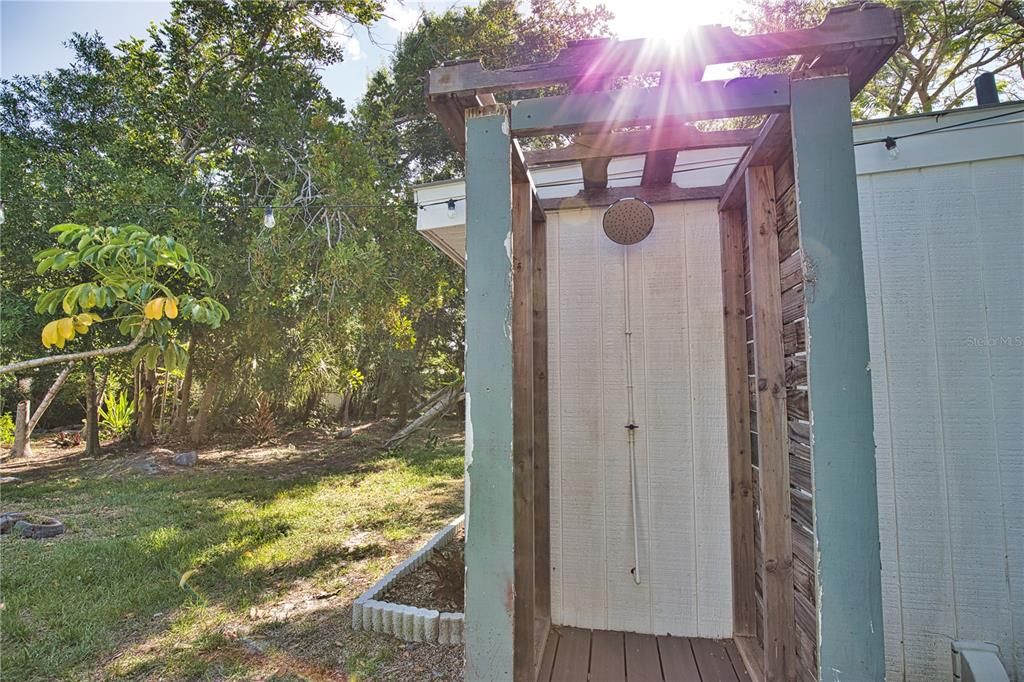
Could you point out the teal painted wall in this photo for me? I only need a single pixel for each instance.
(839, 382)
(489, 515)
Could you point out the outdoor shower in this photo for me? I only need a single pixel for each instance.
(627, 222)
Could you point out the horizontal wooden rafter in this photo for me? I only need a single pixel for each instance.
(600, 111)
(773, 138)
(866, 28)
(635, 142)
(652, 195)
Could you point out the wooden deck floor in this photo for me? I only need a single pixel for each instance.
(575, 655)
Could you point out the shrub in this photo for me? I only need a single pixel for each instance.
(116, 413)
(6, 429)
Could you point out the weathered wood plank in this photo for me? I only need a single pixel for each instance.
(878, 29)
(677, 661)
(607, 657)
(771, 142)
(738, 425)
(845, 500)
(573, 658)
(596, 111)
(541, 469)
(742, 674)
(642, 661)
(629, 143)
(652, 195)
(773, 458)
(523, 430)
(713, 660)
(490, 542)
(547, 660)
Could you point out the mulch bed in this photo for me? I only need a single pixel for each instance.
(424, 588)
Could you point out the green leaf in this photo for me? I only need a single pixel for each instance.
(44, 265)
(70, 298)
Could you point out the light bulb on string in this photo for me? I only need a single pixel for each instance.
(3, 215)
(890, 145)
(451, 208)
(268, 217)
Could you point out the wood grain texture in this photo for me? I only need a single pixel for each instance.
(490, 537)
(607, 657)
(713, 660)
(849, 611)
(677, 661)
(573, 660)
(541, 467)
(773, 459)
(524, 655)
(642, 662)
(738, 425)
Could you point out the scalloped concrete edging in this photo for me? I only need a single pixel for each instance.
(409, 622)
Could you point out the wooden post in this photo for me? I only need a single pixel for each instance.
(524, 657)
(541, 476)
(741, 501)
(839, 383)
(773, 455)
(490, 540)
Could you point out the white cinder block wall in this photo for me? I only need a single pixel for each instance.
(679, 392)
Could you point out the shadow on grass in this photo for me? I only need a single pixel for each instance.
(240, 534)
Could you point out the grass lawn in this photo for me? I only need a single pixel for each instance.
(244, 567)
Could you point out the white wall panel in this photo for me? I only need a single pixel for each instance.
(679, 375)
(944, 253)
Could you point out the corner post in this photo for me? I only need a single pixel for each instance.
(850, 638)
(490, 591)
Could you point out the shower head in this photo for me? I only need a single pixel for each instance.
(628, 221)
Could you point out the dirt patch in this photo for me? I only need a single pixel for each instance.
(437, 584)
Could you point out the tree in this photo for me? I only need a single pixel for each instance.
(948, 43)
(146, 281)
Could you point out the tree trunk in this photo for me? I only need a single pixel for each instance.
(180, 422)
(144, 433)
(22, 445)
(203, 414)
(92, 421)
(48, 398)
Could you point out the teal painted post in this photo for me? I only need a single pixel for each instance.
(850, 632)
(489, 514)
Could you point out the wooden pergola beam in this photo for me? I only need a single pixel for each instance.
(597, 111)
(630, 143)
(770, 142)
(652, 195)
(862, 28)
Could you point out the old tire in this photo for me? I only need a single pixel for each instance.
(48, 528)
(8, 519)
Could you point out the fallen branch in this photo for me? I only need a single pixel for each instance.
(75, 357)
(48, 398)
(440, 406)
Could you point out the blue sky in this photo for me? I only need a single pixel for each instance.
(32, 31)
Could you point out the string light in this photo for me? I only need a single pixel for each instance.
(890, 145)
(268, 217)
(451, 208)
(3, 215)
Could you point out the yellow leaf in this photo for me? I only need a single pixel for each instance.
(50, 334)
(155, 309)
(171, 308)
(81, 328)
(66, 328)
(185, 576)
